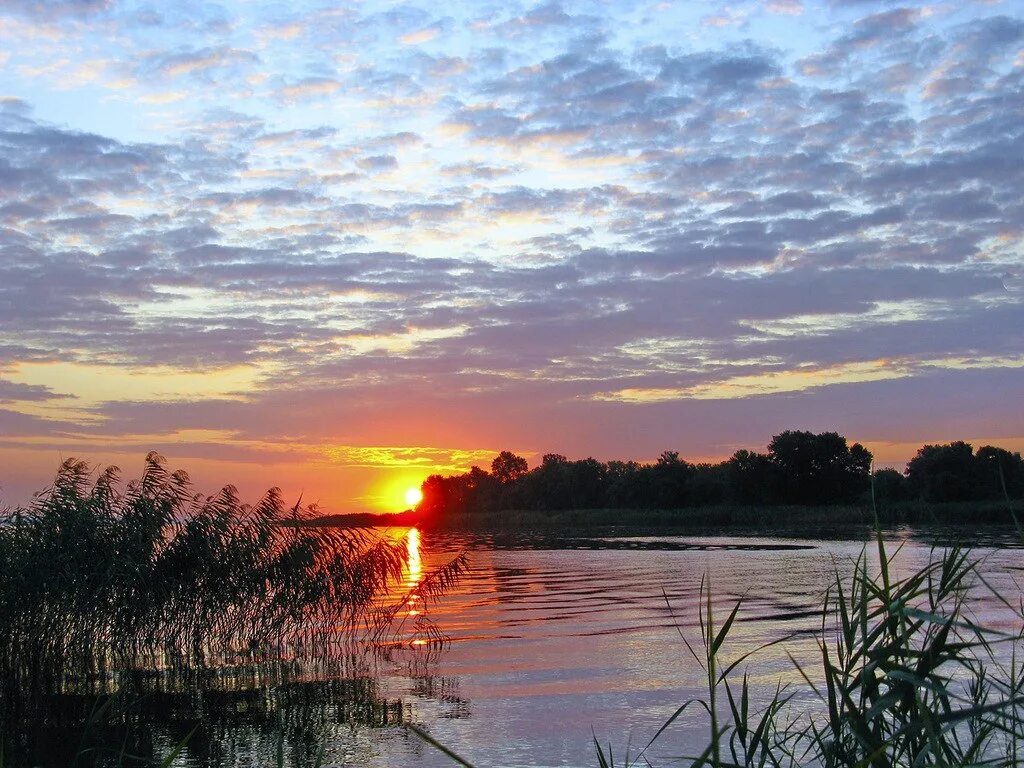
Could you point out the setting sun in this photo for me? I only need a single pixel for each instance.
(413, 496)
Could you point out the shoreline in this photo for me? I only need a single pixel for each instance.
(732, 519)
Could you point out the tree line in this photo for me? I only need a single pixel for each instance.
(798, 468)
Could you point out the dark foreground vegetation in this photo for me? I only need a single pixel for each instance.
(175, 595)
(157, 568)
(800, 471)
(907, 677)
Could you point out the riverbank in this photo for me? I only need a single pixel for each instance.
(732, 518)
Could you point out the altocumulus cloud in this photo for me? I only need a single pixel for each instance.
(560, 226)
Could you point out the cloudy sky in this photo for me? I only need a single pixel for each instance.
(336, 247)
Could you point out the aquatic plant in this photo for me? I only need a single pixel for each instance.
(907, 678)
(93, 572)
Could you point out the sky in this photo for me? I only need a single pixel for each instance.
(338, 247)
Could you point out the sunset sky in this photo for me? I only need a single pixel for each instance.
(336, 247)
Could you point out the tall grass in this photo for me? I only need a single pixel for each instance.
(907, 677)
(94, 574)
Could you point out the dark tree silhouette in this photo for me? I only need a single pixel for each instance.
(1000, 472)
(668, 481)
(819, 468)
(708, 484)
(798, 468)
(889, 486)
(507, 467)
(944, 473)
(953, 472)
(753, 478)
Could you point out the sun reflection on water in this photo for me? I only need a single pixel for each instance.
(415, 564)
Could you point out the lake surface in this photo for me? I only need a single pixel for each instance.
(553, 641)
(550, 642)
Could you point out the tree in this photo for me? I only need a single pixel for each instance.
(889, 486)
(669, 459)
(481, 489)
(507, 467)
(707, 485)
(752, 478)
(860, 461)
(588, 484)
(558, 483)
(798, 468)
(668, 481)
(1000, 472)
(820, 468)
(445, 495)
(625, 485)
(944, 473)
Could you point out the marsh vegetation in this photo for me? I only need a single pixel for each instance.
(907, 678)
(155, 589)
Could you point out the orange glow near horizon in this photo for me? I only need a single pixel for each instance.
(394, 490)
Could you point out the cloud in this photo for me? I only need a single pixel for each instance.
(377, 163)
(45, 9)
(421, 36)
(201, 62)
(12, 391)
(476, 170)
(540, 16)
(308, 89)
(569, 224)
(787, 7)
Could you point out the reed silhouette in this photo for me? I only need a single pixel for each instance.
(154, 592)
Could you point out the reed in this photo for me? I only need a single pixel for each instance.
(285, 712)
(95, 574)
(907, 678)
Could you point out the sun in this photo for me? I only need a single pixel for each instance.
(413, 496)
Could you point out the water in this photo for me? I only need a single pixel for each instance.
(554, 641)
(550, 641)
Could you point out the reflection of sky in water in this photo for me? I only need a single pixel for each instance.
(553, 641)
(549, 643)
